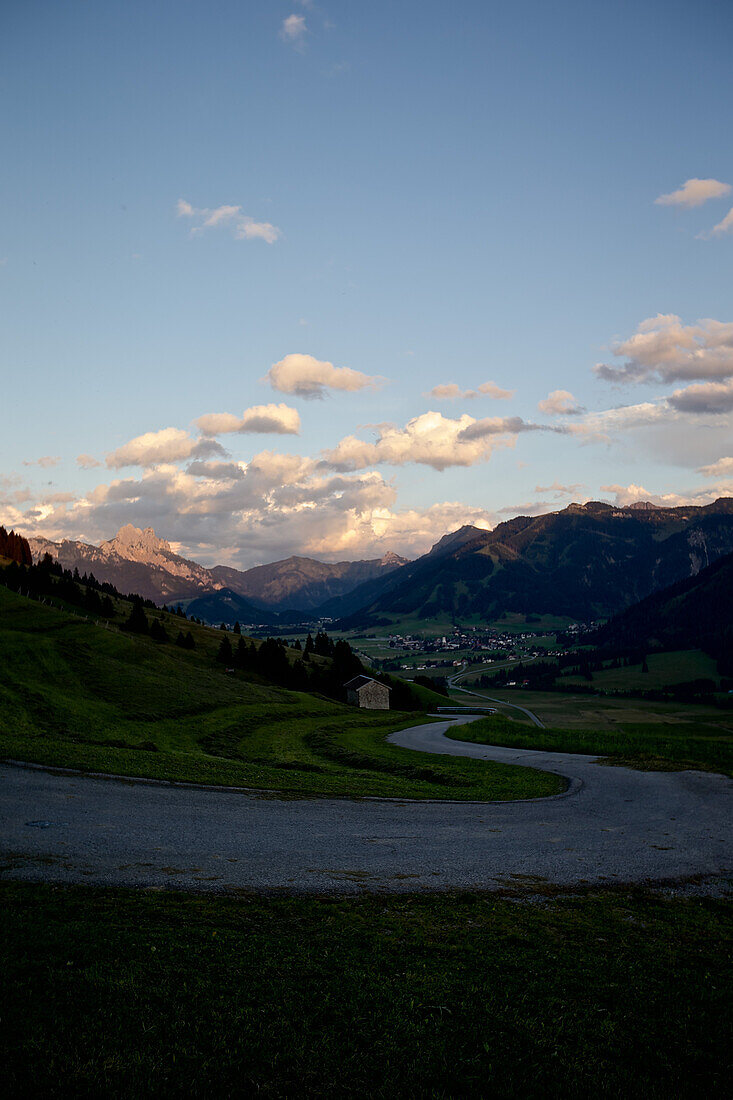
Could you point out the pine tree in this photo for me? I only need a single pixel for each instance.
(237, 628)
(224, 656)
(137, 622)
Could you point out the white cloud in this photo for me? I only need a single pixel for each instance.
(431, 440)
(724, 226)
(664, 350)
(164, 446)
(721, 468)
(305, 376)
(87, 462)
(450, 391)
(279, 419)
(710, 397)
(560, 403)
(694, 192)
(242, 225)
(294, 30)
(248, 513)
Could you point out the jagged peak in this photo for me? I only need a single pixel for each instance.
(390, 558)
(130, 538)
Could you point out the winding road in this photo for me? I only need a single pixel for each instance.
(612, 825)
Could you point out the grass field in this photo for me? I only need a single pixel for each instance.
(664, 669)
(77, 695)
(114, 993)
(660, 745)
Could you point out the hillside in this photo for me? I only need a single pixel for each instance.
(696, 612)
(585, 562)
(78, 692)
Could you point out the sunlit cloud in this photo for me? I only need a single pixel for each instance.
(242, 226)
(450, 391)
(45, 461)
(560, 403)
(164, 446)
(709, 397)
(431, 440)
(305, 376)
(694, 192)
(87, 462)
(724, 226)
(664, 350)
(279, 419)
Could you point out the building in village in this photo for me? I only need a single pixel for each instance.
(363, 691)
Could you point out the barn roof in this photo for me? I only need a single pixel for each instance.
(361, 681)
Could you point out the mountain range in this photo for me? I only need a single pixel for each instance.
(584, 562)
(138, 561)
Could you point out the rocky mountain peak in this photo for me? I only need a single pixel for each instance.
(390, 558)
(137, 544)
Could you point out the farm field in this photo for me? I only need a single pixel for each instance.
(78, 695)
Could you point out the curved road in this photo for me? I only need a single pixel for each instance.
(613, 825)
(453, 683)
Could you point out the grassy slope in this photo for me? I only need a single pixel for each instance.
(664, 669)
(117, 993)
(77, 695)
(650, 745)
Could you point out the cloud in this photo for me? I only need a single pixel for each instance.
(556, 489)
(430, 440)
(294, 30)
(450, 391)
(276, 505)
(216, 471)
(694, 192)
(725, 226)
(664, 350)
(242, 225)
(164, 446)
(601, 425)
(87, 462)
(305, 376)
(710, 397)
(279, 419)
(45, 461)
(632, 494)
(721, 468)
(560, 403)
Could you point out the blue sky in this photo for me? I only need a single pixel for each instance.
(425, 193)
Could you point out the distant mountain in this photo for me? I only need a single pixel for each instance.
(585, 562)
(133, 561)
(138, 561)
(694, 613)
(301, 584)
(226, 606)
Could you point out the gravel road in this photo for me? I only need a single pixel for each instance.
(613, 825)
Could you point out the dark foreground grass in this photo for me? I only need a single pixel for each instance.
(77, 695)
(657, 746)
(113, 993)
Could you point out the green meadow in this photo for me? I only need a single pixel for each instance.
(80, 695)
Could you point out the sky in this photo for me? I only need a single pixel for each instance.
(336, 279)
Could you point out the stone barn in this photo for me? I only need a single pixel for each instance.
(362, 691)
